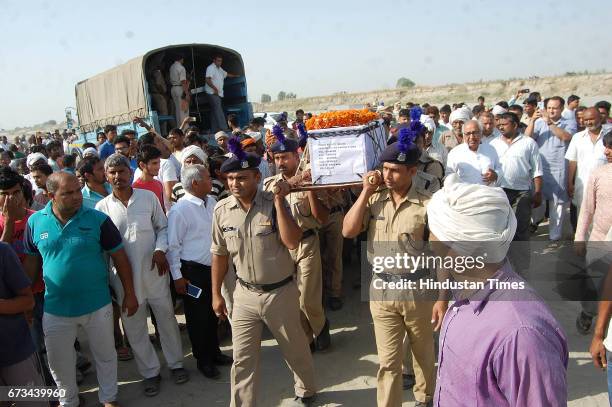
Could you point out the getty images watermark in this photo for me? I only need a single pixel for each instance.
(403, 271)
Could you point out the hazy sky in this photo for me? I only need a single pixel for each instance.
(307, 47)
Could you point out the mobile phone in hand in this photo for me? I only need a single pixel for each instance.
(193, 291)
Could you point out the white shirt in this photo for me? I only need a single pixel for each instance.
(437, 152)
(177, 74)
(190, 232)
(487, 139)
(471, 165)
(520, 162)
(217, 76)
(176, 162)
(143, 226)
(588, 156)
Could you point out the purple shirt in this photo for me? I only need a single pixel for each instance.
(504, 349)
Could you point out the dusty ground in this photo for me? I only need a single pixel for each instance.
(346, 374)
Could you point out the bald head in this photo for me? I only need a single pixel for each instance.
(65, 192)
(60, 179)
(592, 119)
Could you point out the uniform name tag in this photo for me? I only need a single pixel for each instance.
(379, 217)
(228, 229)
(268, 223)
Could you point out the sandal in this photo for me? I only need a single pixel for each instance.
(151, 386)
(180, 375)
(583, 323)
(124, 354)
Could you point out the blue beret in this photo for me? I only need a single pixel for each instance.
(233, 164)
(392, 154)
(288, 145)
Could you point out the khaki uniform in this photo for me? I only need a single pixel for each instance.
(252, 240)
(332, 243)
(394, 319)
(427, 178)
(307, 258)
(431, 166)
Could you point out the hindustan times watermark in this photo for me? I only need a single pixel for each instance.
(411, 263)
(559, 271)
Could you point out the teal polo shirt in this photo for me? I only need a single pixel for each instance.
(75, 268)
(91, 198)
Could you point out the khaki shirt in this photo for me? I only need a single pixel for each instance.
(402, 229)
(298, 203)
(252, 239)
(431, 166)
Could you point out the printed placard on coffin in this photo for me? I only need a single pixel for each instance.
(345, 154)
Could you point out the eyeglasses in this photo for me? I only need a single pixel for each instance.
(471, 133)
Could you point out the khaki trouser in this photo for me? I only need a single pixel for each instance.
(331, 245)
(307, 258)
(392, 320)
(279, 311)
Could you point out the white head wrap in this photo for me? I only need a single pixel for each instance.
(497, 109)
(255, 135)
(428, 122)
(463, 113)
(220, 134)
(90, 151)
(193, 150)
(32, 158)
(473, 219)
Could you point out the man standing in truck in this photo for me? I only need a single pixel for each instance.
(215, 76)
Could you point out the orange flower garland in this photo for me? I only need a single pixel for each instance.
(341, 118)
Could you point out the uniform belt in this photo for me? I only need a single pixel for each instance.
(194, 264)
(308, 233)
(417, 275)
(176, 85)
(264, 287)
(335, 209)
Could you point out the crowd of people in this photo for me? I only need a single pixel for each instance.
(138, 227)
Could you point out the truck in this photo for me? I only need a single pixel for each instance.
(140, 88)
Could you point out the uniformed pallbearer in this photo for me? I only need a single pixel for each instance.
(395, 215)
(309, 213)
(257, 230)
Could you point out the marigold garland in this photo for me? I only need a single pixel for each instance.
(341, 118)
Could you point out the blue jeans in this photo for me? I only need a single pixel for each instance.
(609, 373)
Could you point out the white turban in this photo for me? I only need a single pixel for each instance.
(255, 135)
(193, 150)
(90, 151)
(428, 122)
(473, 219)
(34, 157)
(463, 113)
(497, 109)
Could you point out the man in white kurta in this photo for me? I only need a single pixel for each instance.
(141, 221)
(473, 161)
(585, 153)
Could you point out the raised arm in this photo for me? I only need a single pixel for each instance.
(353, 220)
(290, 232)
